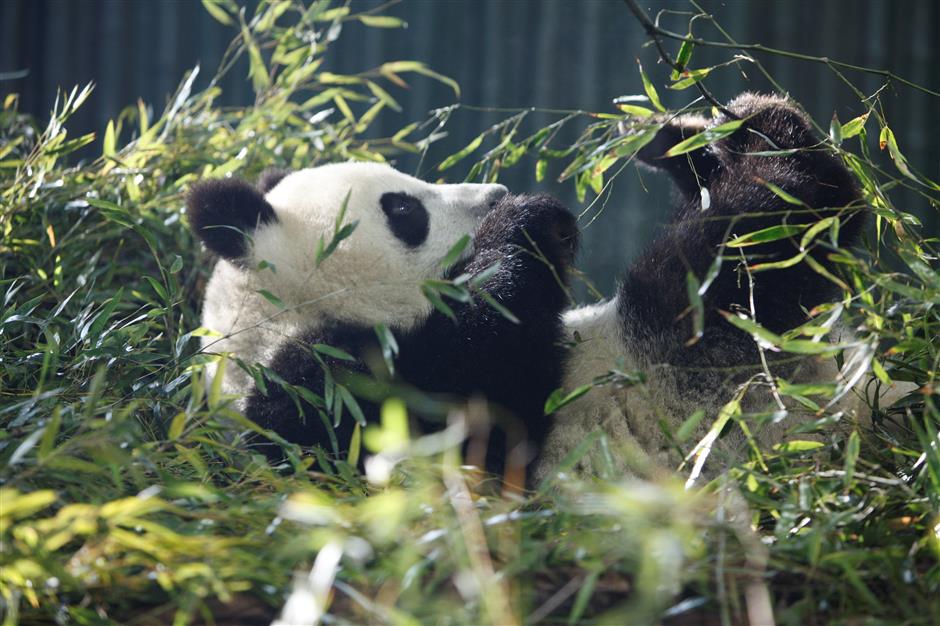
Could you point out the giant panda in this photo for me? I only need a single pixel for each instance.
(266, 239)
(311, 320)
(646, 328)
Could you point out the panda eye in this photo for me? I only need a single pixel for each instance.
(402, 208)
(407, 218)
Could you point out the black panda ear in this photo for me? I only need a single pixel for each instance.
(270, 178)
(223, 213)
(689, 171)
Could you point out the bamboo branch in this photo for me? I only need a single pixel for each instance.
(654, 31)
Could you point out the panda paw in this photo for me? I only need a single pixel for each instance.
(775, 122)
(537, 223)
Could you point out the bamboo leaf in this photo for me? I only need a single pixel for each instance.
(382, 21)
(854, 126)
(704, 138)
(649, 88)
(764, 235)
(460, 155)
(690, 77)
(215, 9)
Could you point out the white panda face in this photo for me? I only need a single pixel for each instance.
(405, 228)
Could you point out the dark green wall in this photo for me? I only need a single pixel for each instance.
(507, 53)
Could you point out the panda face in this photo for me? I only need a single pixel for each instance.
(404, 228)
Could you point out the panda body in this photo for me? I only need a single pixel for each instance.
(371, 279)
(276, 304)
(647, 326)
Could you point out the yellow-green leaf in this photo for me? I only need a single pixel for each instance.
(772, 233)
(634, 110)
(457, 157)
(382, 21)
(704, 138)
(649, 88)
(109, 140)
(689, 78)
(854, 126)
(214, 8)
(682, 58)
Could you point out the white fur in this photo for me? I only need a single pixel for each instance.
(630, 417)
(372, 277)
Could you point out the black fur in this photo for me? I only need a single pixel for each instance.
(513, 365)
(223, 214)
(653, 293)
(270, 178)
(407, 218)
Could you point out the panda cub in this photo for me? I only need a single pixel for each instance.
(647, 327)
(274, 304)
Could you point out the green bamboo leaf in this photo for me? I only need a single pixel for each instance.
(109, 140)
(455, 252)
(457, 157)
(437, 302)
(270, 297)
(214, 8)
(772, 233)
(559, 398)
(351, 404)
(389, 346)
(157, 287)
(634, 110)
(336, 353)
(176, 426)
(688, 427)
(852, 449)
(329, 15)
(382, 21)
(900, 161)
(343, 107)
(682, 58)
(835, 130)
(704, 138)
(753, 328)
(502, 310)
(783, 195)
(854, 126)
(798, 445)
(631, 144)
(256, 68)
(541, 166)
(807, 346)
(49, 434)
(815, 229)
(779, 265)
(694, 291)
(689, 78)
(276, 10)
(94, 331)
(649, 88)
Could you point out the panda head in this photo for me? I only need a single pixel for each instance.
(270, 236)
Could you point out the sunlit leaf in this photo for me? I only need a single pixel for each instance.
(704, 138)
(649, 88)
(764, 235)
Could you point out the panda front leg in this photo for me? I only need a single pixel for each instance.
(514, 362)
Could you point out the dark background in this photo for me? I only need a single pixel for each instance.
(504, 53)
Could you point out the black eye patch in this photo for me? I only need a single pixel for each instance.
(407, 218)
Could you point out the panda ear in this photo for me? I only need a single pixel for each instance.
(270, 178)
(223, 214)
(690, 170)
